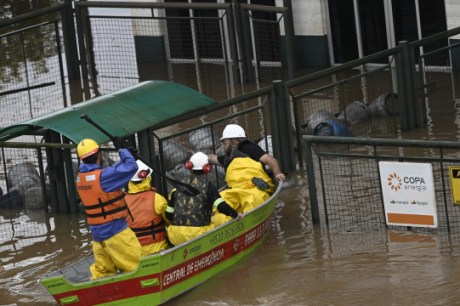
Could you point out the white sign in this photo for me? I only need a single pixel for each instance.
(408, 194)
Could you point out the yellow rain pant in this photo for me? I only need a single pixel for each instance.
(154, 248)
(178, 234)
(219, 218)
(243, 195)
(244, 200)
(120, 252)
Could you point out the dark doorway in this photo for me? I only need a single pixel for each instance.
(373, 28)
(343, 30)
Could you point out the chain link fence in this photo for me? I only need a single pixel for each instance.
(345, 184)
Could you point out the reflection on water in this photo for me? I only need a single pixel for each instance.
(298, 264)
(34, 243)
(304, 265)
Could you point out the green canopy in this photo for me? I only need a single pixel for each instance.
(121, 113)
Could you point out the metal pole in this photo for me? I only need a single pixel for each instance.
(85, 45)
(289, 39)
(71, 52)
(52, 175)
(42, 177)
(248, 74)
(233, 45)
(70, 178)
(311, 182)
(281, 126)
(405, 64)
(61, 188)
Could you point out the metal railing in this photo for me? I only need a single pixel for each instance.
(383, 94)
(344, 180)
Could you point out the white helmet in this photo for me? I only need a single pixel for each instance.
(199, 161)
(143, 172)
(233, 131)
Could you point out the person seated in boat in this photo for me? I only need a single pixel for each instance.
(191, 215)
(147, 211)
(244, 161)
(115, 246)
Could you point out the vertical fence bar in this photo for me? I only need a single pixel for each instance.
(71, 52)
(147, 150)
(70, 178)
(248, 74)
(42, 177)
(143, 144)
(405, 65)
(81, 17)
(298, 128)
(61, 65)
(52, 175)
(311, 182)
(61, 188)
(26, 70)
(289, 62)
(281, 126)
(232, 45)
(444, 192)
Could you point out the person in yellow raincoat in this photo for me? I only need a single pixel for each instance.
(191, 215)
(147, 211)
(248, 182)
(115, 246)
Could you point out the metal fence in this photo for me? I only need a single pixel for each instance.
(345, 187)
(200, 134)
(133, 42)
(32, 84)
(120, 44)
(167, 146)
(27, 76)
(381, 95)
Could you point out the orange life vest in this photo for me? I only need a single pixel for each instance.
(100, 207)
(145, 223)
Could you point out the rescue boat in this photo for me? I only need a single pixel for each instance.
(172, 272)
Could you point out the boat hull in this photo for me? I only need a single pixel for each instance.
(165, 275)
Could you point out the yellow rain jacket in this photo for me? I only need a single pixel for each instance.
(243, 195)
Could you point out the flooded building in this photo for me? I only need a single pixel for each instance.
(330, 31)
(337, 31)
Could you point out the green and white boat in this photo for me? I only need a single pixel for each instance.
(165, 275)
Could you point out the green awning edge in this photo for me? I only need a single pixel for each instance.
(121, 113)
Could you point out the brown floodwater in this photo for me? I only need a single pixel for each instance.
(298, 263)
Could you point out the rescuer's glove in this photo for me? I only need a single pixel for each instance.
(260, 183)
(119, 143)
(133, 151)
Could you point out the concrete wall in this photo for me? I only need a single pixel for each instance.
(310, 32)
(453, 14)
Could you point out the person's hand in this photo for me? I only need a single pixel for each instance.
(260, 183)
(133, 151)
(240, 215)
(119, 143)
(280, 177)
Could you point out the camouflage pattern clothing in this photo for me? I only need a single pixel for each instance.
(193, 210)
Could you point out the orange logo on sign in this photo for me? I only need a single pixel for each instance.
(394, 181)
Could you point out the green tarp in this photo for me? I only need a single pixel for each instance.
(121, 113)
